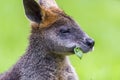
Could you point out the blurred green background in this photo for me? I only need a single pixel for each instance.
(99, 18)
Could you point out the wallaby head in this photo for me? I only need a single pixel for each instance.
(56, 30)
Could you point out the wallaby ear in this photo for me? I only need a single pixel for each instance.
(33, 10)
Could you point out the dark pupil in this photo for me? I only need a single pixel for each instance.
(65, 30)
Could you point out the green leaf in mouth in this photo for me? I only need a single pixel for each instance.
(78, 52)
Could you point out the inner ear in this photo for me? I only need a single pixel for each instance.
(32, 10)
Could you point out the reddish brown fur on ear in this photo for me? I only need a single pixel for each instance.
(49, 16)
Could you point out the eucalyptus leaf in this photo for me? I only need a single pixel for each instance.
(78, 52)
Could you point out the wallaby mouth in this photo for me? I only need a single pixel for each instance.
(85, 49)
(87, 45)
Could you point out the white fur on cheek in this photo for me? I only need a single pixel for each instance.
(66, 43)
(69, 44)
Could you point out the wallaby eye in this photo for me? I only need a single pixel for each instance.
(64, 31)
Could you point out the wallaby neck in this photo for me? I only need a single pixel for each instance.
(37, 63)
(38, 60)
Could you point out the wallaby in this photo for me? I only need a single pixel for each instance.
(54, 35)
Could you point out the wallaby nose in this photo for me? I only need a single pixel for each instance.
(90, 42)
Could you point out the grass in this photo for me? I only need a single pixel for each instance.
(98, 18)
